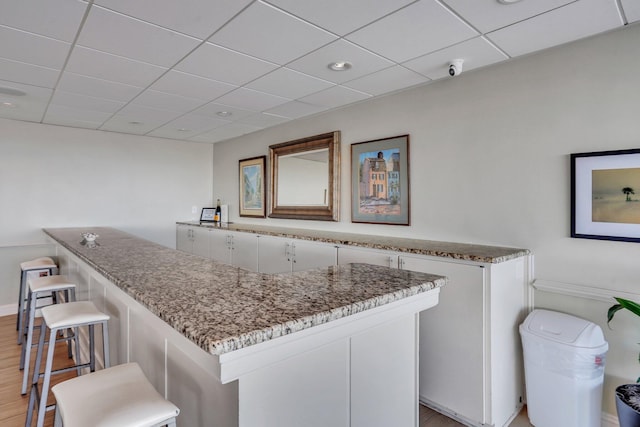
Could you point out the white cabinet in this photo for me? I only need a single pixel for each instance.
(350, 254)
(280, 255)
(194, 240)
(470, 357)
(239, 249)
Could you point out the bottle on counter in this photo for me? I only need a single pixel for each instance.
(216, 216)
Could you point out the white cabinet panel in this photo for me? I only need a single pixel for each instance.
(220, 251)
(194, 240)
(274, 255)
(244, 250)
(321, 393)
(281, 255)
(349, 254)
(192, 386)
(385, 359)
(452, 338)
(147, 344)
(308, 255)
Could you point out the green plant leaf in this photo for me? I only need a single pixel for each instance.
(613, 310)
(633, 307)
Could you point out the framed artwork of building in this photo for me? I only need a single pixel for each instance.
(380, 181)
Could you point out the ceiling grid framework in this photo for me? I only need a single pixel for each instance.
(211, 70)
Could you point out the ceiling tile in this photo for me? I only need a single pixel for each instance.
(82, 102)
(68, 116)
(179, 83)
(167, 101)
(18, 45)
(144, 114)
(224, 65)
(268, 33)
(20, 72)
(187, 126)
(134, 39)
(263, 120)
(76, 83)
(105, 66)
(29, 107)
(58, 19)
(232, 113)
(289, 83)
(489, 15)
(339, 16)
(587, 17)
(317, 63)
(225, 132)
(476, 53)
(631, 10)
(296, 109)
(387, 80)
(249, 99)
(198, 18)
(126, 124)
(335, 97)
(420, 28)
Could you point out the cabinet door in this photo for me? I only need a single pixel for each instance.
(183, 238)
(308, 255)
(220, 251)
(201, 244)
(244, 250)
(274, 255)
(348, 255)
(452, 339)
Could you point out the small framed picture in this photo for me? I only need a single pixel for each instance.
(605, 195)
(380, 181)
(207, 214)
(252, 185)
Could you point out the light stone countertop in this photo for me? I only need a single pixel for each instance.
(463, 251)
(223, 308)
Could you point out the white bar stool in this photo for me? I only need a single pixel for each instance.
(44, 263)
(59, 317)
(116, 397)
(47, 285)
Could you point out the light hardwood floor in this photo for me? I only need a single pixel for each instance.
(13, 406)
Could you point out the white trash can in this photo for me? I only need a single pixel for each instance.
(564, 369)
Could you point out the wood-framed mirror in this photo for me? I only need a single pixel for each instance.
(305, 178)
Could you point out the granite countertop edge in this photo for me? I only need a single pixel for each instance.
(461, 251)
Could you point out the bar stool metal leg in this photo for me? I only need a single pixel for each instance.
(38, 286)
(44, 263)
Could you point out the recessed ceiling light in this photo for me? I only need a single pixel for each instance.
(340, 66)
(183, 130)
(224, 113)
(11, 91)
(508, 1)
(8, 105)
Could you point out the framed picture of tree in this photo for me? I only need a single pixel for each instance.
(252, 187)
(605, 195)
(380, 181)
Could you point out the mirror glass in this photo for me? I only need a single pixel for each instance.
(305, 178)
(314, 167)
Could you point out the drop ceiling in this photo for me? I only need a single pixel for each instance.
(210, 70)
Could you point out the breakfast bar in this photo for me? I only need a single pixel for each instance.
(335, 345)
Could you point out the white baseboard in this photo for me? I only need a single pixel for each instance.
(581, 291)
(8, 309)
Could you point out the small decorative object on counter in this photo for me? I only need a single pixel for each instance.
(89, 239)
(216, 216)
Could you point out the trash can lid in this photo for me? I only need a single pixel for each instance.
(563, 328)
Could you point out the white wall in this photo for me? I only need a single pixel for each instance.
(490, 164)
(53, 176)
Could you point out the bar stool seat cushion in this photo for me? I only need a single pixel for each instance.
(37, 264)
(50, 283)
(72, 314)
(120, 396)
